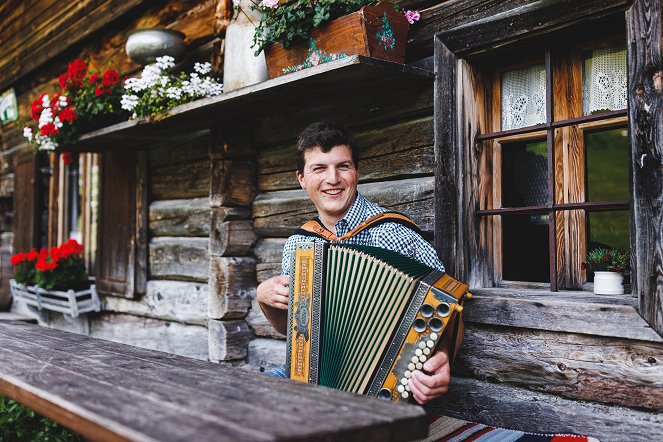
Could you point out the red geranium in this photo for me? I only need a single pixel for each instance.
(49, 129)
(67, 158)
(100, 90)
(67, 114)
(93, 78)
(24, 266)
(37, 107)
(110, 77)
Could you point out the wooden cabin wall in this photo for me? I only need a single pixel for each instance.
(172, 315)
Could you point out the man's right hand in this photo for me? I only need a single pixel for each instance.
(272, 295)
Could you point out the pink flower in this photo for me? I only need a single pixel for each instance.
(270, 3)
(236, 3)
(314, 59)
(412, 16)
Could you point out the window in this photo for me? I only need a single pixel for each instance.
(556, 157)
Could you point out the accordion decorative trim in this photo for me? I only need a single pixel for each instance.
(70, 302)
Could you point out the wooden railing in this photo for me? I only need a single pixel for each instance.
(108, 391)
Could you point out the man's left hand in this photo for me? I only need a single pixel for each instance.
(435, 382)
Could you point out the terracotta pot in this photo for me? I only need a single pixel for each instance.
(375, 31)
(608, 283)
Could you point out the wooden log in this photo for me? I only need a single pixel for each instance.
(180, 149)
(230, 238)
(399, 150)
(232, 287)
(268, 253)
(232, 183)
(280, 213)
(187, 180)
(259, 323)
(189, 217)
(184, 259)
(266, 353)
(645, 98)
(575, 366)
(185, 302)
(171, 337)
(228, 340)
(521, 409)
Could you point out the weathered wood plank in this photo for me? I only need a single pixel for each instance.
(266, 353)
(230, 238)
(228, 340)
(179, 258)
(280, 213)
(525, 410)
(180, 181)
(190, 390)
(185, 302)
(232, 287)
(468, 26)
(188, 217)
(570, 312)
(645, 99)
(608, 370)
(268, 253)
(232, 183)
(171, 337)
(398, 150)
(180, 149)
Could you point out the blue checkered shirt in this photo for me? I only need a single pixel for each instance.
(391, 236)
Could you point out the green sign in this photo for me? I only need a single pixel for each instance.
(8, 107)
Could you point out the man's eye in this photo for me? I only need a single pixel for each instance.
(318, 169)
(344, 167)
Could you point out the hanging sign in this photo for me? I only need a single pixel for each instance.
(8, 107)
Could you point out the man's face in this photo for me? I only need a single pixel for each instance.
(330, 179)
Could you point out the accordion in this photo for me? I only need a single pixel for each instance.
(363, 319)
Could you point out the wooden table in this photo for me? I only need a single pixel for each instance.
(108, 391)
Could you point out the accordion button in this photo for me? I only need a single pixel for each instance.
(415, 359)
(400, 388)
(407, 388)
(433, 336)
(419, 365)
(418, 352)
(426, 351)
(411, 366)
(422, 344)
(407, 374)
(404, 381)
(430, 344)
(422, 358)
(405, 394)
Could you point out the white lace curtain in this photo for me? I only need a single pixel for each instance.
(523, 97)
(604, 80)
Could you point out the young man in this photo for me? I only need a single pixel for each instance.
(327, 170)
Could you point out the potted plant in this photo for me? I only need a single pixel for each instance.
(608, 266)
(54, 279)
(296, 34)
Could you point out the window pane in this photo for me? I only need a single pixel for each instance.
(525, 255)
(524, 174)
(608, 229)
(607, 165)
(523, 97)
(604, 80)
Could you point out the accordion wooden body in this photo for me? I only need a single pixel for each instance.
(363, 319)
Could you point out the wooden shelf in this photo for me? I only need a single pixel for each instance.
(339, 79)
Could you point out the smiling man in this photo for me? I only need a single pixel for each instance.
(327, 167)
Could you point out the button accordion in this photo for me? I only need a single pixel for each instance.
(364, 319)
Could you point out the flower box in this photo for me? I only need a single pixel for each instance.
(377, 31)
(70, 302)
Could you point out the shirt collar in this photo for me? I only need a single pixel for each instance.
(355, 215)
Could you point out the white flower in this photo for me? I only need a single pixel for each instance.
(45, 117)
(202, 68)
(46, 143)
(129, 102)
(166, 62)
(270, 3)
(62, 101)
(27, 133)
(57, 122)
(45, 101)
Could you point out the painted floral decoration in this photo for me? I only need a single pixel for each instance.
(57, 268)
(59, 118)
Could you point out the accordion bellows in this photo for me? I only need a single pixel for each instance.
(363, 319)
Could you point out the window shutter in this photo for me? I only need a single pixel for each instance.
(122, 249)
(25, 202)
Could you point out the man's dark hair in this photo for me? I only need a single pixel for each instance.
(325, 135)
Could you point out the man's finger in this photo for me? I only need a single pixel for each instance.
(435, 380)
(436, 361)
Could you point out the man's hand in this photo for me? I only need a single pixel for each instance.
(272, 295)
(426, 387)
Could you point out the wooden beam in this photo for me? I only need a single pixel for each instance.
(645, 95)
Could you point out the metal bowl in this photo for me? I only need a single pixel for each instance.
(145, 45)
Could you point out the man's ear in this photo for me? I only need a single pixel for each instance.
(300, 178)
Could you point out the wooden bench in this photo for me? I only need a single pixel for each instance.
(108, 391)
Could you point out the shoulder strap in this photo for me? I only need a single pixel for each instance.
(315, 228)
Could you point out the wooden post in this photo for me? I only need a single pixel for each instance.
(645, 95)
(232, 271)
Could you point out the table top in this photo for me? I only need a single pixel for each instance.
(110, 391)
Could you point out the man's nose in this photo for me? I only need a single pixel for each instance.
(333, 175)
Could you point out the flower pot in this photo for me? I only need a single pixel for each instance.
(145, 45)
(608, 283)
(70, 302)
(241, 67)
(375, 31)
